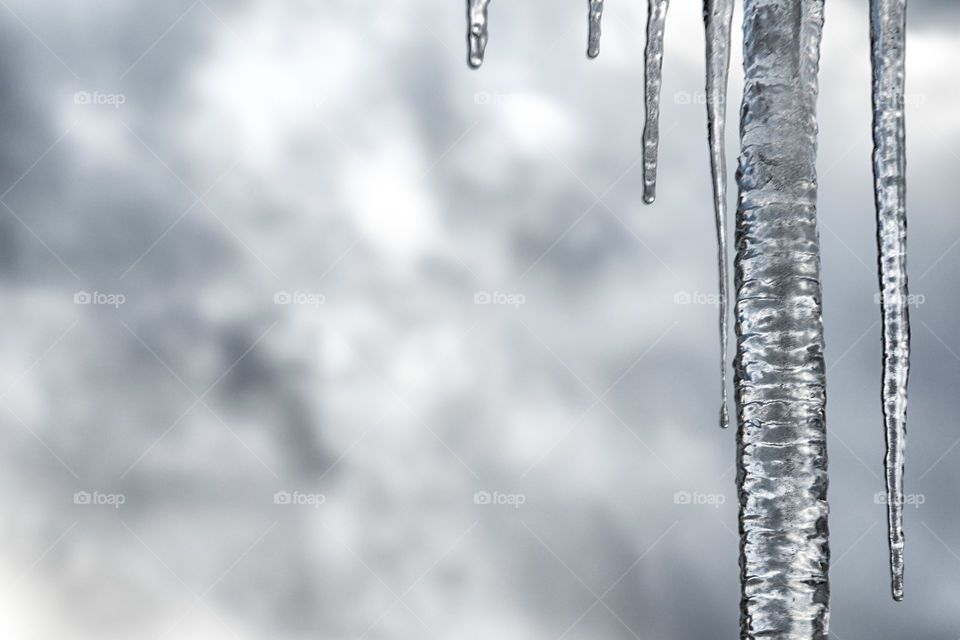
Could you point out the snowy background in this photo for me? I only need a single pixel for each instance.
(240, 249)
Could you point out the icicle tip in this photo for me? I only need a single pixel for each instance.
(593, 37)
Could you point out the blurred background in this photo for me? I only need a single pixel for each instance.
(312, 332)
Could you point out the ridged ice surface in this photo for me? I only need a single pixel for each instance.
(593, 37)
(477, 33)
(887, 30)
(780, 378)
(653, 56)
(717, 17)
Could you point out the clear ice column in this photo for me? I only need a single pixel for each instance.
(717, 17)
(887, 32)
(653, 80)
(476, 31)
(594, 18)
(779, 368)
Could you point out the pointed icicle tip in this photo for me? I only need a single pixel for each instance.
(477, 31)
(593, 39)
(717, 19)
(896, 571)
(888, 27)
(653, 62)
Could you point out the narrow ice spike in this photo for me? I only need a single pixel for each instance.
(656, 18)
(887, 32)
(717, 19)
(593, 40)
(477, 34)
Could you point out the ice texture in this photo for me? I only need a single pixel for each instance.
(779, 369)
(887, 31)
(593, 39)
(717, 18)
(477, 33)
(653, 64)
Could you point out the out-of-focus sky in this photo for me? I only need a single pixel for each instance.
(312, 332)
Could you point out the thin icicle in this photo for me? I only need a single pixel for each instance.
(477, 34)
(780, 373)
(593, 40)
(887, 31)
(656, 18)
(717, 18)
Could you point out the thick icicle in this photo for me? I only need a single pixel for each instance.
(477, 34)
(656, 18)
(779, 372)
(717, 18)
(593, 40)
(887, 31)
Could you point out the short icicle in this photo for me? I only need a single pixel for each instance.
(477, 33)
(656, 18)
(717, 19)
(887, 31)
(593, 39)
(780, 376)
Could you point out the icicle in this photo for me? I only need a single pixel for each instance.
(477, 35)
(717, 18)
(593, 40)
(887, 31)
(780, 374)
(656, 17)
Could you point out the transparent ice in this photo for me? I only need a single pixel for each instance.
(593, 39)
(779, 380)
(779, 369)
(477, 33)
(717, 18)
(656, 18)
(887, 30)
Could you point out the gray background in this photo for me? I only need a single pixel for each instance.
(201, 158)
